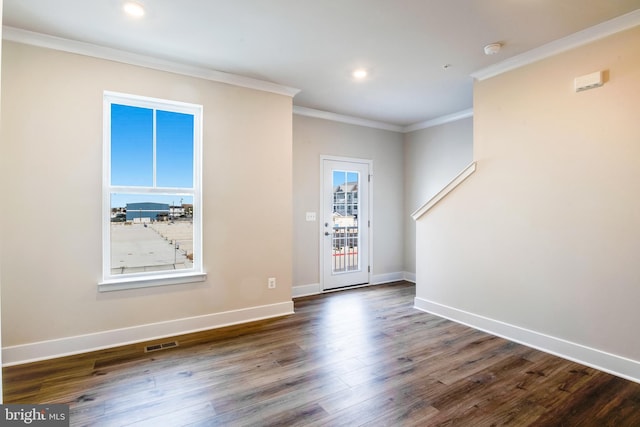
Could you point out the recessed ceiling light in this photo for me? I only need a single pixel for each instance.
(360, 73)
(134, 9)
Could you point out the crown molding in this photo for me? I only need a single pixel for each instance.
(117, 55)
(326, 115)
(440, 120)
(591, 34)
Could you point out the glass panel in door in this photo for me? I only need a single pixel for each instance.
(346, 237)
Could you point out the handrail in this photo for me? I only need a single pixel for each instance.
(446, 190)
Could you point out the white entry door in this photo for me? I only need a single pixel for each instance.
(345, 223)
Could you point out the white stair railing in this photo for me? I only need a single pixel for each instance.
(446, 190)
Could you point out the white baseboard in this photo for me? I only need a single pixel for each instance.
(409, 277)
(617, 365)
(378, 279)
(306, 290)
(50, 349)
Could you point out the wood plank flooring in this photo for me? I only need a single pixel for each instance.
(350, 358)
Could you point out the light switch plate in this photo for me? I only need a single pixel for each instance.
(311, 216)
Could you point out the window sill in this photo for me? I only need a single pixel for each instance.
(149, 281)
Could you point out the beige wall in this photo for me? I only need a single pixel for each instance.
(50, 175)
(432, 158)
(314, 137)
(546, 234)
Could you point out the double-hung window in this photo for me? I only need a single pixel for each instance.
(152, 216)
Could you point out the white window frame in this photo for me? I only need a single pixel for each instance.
(154, 278)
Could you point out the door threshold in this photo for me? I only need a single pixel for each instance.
(344, 288)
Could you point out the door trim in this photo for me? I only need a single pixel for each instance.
(369, 163)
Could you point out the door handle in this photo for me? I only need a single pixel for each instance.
(326, 233)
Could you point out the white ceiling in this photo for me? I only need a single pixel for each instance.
(314, 45)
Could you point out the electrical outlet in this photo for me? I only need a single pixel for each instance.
(271, 282)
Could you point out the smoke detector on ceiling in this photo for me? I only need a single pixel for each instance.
(492, 49)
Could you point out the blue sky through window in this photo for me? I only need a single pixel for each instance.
(340, 177)
(132, 153)
(131, 146)
(174, 149)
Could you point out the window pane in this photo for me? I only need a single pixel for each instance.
(151, 233)
(346, 232)
(131, 145)
(174, 149)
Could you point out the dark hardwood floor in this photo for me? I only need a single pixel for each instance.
(356, 357)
